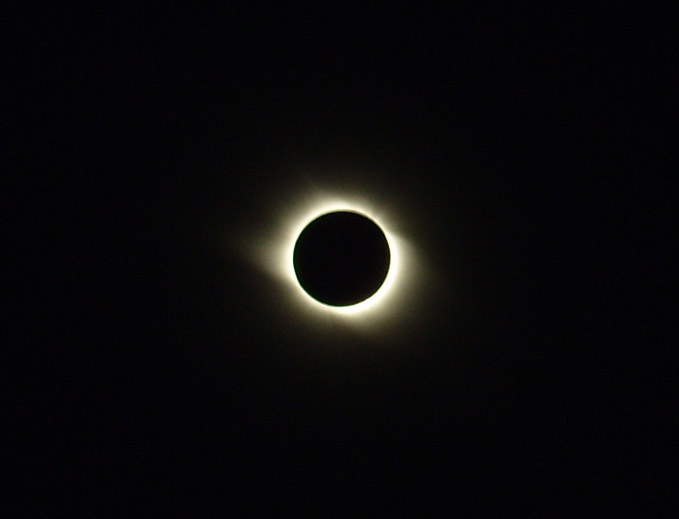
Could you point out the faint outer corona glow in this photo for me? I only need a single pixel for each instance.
(272, 250)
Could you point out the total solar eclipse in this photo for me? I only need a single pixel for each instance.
(341, 258)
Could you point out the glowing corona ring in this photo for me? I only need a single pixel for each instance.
(271, 246)
(374, 299)
(378, 302)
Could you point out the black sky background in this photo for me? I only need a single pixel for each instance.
(145, 374)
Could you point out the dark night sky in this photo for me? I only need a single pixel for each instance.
(158, 370)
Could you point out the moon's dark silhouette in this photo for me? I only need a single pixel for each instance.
(341, 258)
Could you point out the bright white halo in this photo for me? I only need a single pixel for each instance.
(271, 246)
(374, 301)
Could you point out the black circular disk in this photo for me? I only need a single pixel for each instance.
(341, 258)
